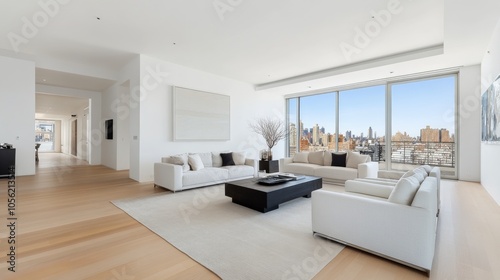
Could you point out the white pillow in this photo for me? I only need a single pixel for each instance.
(316, 158)
(206, 158)
(301, 157)
(239, 158)
(353, 159)
(416, 175)
(427, 168)
(404, 191)
(421, 170)
(195, 162)
(181, 159)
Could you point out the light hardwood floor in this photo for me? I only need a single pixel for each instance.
(68, 229)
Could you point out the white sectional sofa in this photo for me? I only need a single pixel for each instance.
(187, 171)
(397, 221)
(332, 167)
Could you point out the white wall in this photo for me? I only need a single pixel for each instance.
(490, 153)
(469, 118)
(155, 114)
(96, 126)
(17, 111)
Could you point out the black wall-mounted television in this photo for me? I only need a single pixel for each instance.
(108, 129)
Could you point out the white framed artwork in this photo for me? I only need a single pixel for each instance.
(200, 115)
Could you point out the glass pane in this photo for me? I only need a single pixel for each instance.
(317, 122)
(292, 126)
(362, 122)
(423, 124)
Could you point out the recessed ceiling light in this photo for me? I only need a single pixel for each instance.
(43, 80)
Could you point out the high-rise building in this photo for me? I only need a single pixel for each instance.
(348, 135)
(429, 134)
(370, 133)
(444, 135)
(315, 134)
(293, 135)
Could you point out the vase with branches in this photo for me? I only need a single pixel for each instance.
(272, 130)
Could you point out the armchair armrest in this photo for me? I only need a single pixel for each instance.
(284, 162)
(253, 163)
(168, 176)
(368, 169)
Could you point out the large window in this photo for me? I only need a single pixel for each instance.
(423, 124)
(362, 121)
(419, 116)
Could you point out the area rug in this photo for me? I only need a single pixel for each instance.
(233, 241)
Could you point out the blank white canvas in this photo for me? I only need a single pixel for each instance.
(200, 115)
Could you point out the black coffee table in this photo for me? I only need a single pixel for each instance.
(264, 198)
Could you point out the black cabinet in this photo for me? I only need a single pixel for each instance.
(7, 159)
(270, 166)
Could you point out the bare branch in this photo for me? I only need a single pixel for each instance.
(273, 130)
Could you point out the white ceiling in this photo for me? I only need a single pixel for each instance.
(264, 43)
(58, 107)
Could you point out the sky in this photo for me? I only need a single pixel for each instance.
(415, 105)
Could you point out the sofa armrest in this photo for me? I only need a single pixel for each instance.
(253, 163)
(368, 170)
(284, 162)
(398, 231)
(368, 188)
(168, 176)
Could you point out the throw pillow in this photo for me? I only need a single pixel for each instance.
(427, 168)
(195, 162)
(315, 158)
(227, 159)
(353, 159)
(421, 170)
(239, 158)
(206, 158)
(404, 191)
(413, 174)
(301, 157)
(180, 160)
(339, 159)
(217, 159)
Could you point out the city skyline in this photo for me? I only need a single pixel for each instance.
(415, 105)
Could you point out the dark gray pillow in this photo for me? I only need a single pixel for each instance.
(227, 159)
(339, 159)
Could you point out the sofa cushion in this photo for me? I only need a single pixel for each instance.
(195, 162)
(404, 191)
(339, 159)
(301, 157)
(239, 158)
(181, 159)
(239, 171)
(335, 172)
(353, 159)
(300, 168)
(315, 158)
(209, 175)
(206, 158)
(227, 159)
